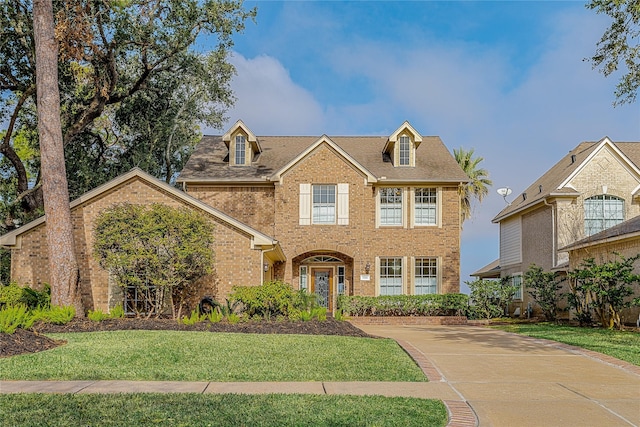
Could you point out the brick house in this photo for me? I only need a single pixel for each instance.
(594, 187)
(333, 215)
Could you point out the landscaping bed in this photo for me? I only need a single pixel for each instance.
(22, 341)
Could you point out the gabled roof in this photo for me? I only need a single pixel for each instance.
(434, 163)
(554, 183)
(258, 238)
(255, 144)
(625, 230)
(406, 126)
(324, 139)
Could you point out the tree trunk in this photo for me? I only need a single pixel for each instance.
(63, 266)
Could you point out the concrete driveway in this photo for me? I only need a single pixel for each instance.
(511, 380)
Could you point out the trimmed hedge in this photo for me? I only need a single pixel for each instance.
(405, 305)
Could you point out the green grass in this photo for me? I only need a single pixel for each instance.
(218, 410)
(623, 345)
(206, 356)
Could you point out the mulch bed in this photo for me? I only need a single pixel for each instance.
(33, 341)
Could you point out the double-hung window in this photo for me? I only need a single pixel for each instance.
(324, 204)
(602, 212)
(425, 206)
(241, 147)
(517, 282)
(426, 276)
(390, 206)
(391, 276)
(405, 150)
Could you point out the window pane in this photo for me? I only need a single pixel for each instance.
(391, 206)
(602, 212)
(324, 204)
(341, 284)
(303, 278)
(425, 206)
(405, 144)
(390, 276)
(517, 281)
(240, 149)
(426, 276)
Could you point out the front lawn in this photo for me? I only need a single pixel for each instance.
(218, 410)
(623, 345)
(205, 356)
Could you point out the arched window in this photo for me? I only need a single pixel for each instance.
(601, 212)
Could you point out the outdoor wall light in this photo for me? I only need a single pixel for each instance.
(367, 267)
(266, 267)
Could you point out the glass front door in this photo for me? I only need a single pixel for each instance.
(322, 286)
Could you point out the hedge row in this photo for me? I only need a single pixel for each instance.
(405, 305)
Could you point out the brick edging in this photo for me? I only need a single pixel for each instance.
(459, 412)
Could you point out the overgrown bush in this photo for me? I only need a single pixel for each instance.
(490, 298)
(602, 289)
(544, 288)
(10, 295)
(404, 305)
(272, 299)
(158, 246)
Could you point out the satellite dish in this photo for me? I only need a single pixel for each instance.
(504, 192)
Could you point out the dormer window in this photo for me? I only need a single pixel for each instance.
(402, 145)
(405, 150)
(241, 149)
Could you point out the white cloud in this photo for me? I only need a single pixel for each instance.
(269, 102)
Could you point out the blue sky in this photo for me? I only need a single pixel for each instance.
(505, 78)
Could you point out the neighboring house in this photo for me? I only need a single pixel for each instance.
(606, 246)
(594, 187)
(333, 215)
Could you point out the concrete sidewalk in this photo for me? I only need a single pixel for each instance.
(485, 377)
(512, 380)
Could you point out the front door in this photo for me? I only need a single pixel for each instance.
(321, 285)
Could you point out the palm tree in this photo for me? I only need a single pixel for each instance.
(478, 185)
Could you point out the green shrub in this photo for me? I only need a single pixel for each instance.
(233, 318)
(10, 295)
(34, 298)
(54, 314)
(14, 317)
(194, 318)
(404, 305)
(97, 315)
(215, 316)
(339, 315)
(117, 312)
(269, 300)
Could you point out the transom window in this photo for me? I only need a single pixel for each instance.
(390, 276)
(324, 204)
(240, 149)
(391, 206)
(405, 150)
(425, 207)
(321, 258)
(601, 212)
(426, 276)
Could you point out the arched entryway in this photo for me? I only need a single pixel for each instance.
(327, 274)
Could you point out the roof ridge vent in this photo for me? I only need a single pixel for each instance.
(540, 188)
(573, 158)
(524, 196)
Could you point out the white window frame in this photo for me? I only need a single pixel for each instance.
(323, 199)
(240, 150)
(383, 207)
(304, 278)
(433, 275)
(340, 280)
(387, 279)
(516, 279)
(435, 207)
(404, 148)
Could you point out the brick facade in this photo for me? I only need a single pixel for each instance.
(235, 261)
